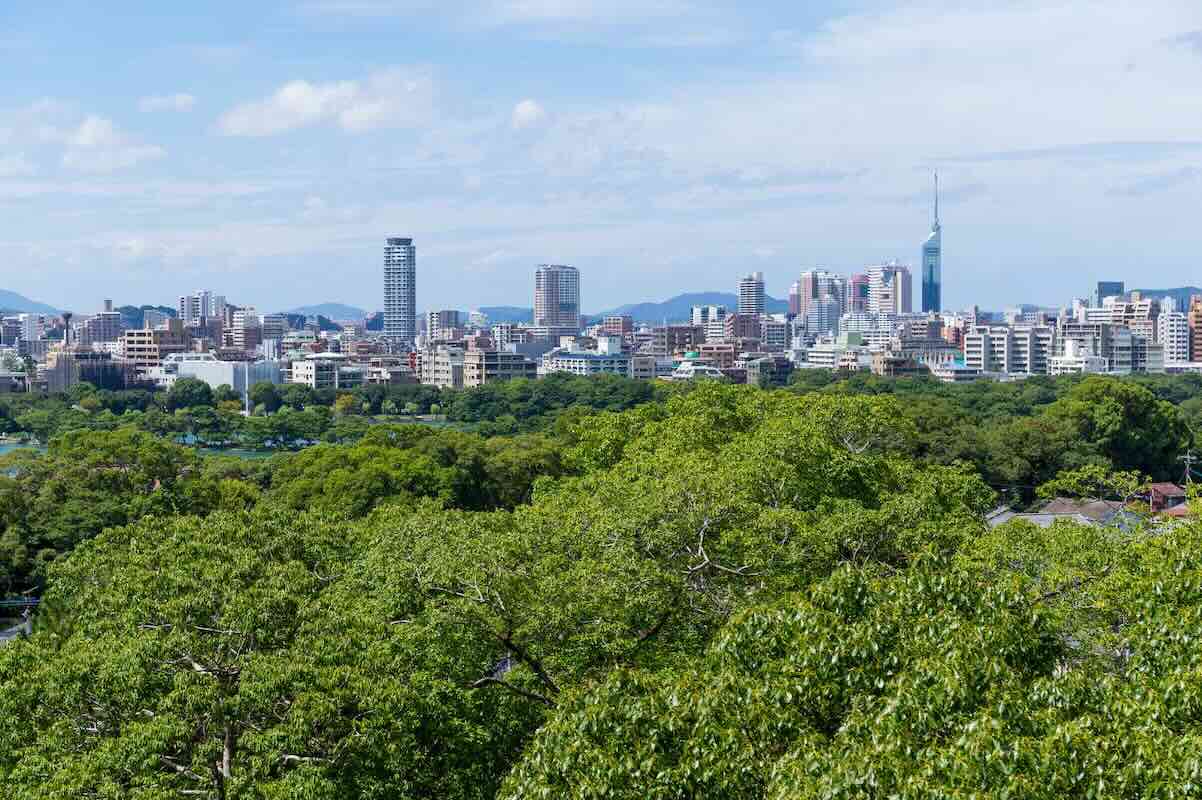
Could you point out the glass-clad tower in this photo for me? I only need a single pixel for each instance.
(932, 263)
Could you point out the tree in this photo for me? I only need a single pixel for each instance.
(226, 394)
(266, 395)
(346, 404)
(188, 393)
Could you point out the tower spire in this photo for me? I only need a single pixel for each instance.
(936, 198)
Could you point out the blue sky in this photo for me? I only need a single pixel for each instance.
(266, 149)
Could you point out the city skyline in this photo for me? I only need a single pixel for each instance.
(657, 146)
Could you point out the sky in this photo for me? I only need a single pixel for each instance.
(265, 150)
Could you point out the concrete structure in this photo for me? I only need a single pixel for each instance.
(890, 289)
(1173, 334)
(326, 371)
(442, 324)
(1106, 289)
(481, 367)
(65, 368)
(196, 308)
(557, 297)
(607, 359)
(618, 325)
(146, 348)
(441, 366)
(751, 294)
(1076, 358)
(400, 292)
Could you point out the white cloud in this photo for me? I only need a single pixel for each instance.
(168, 102)
(527, 114)
(391, 98)
(96, 145)
(16, 165)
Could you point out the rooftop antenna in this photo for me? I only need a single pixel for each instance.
(936, 199)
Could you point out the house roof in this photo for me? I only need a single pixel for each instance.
(1096, 510)
(1167, 489)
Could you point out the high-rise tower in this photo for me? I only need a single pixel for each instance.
(751, 294)
(400, 291)
(932, 263)
(556, 297)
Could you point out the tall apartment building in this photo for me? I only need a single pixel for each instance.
(107, 326)
(712, 319)
(246, 330)
(400, 291)
(932, 263)
(817, 285)
(1194, 320)
(440, 324)
(196, 308)
(1017, 350)
(32, 327)
(751, 294)
(890, 289)
(557, 297)
(1173, 334)
(857, 294)
(145, 348)
(795, 298)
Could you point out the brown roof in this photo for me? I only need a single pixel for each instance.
(1098, 510)
(1167, 489)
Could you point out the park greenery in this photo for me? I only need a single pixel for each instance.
(624, 591)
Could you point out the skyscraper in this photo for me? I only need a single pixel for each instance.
(751, 294)
(932, 263)
(1107, 289)
(818, 284)
(889, 289)
(400, 291)
(556, 297)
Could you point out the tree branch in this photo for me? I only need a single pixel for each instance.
(516, 690)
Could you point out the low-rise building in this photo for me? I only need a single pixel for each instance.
(481, 367)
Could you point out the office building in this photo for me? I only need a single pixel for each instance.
(932, 263)
(327, 371)
(818, 285)
(482, 367)
(751, 294)
(857, 294)
(619, 325)
(144, 348)
(1106, 289)
(400, 292)
(890, 290)
(557, 297)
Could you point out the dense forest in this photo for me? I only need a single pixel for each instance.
(602, 589)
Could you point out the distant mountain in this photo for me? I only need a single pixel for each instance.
(135, 316)
(680, 307)
(508, 314)
(297, 321)
(11, 301)
(1180, 295)
(331, 311)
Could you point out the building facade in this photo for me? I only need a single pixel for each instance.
(400, 291)
(932, 263)
(557, 297)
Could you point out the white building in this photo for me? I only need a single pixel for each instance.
(1078, 358)
(1172, 333)
(890, 289)
(607, 359)
(400, 291)
(751, 294)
